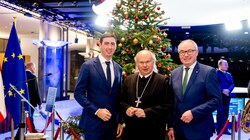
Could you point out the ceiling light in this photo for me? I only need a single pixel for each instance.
(102, 20)
(74, 3)
(60, 3)
(76, 40)
(248, 21)
(35, 4)
(104, 8)
(233, 25)
(27, 14)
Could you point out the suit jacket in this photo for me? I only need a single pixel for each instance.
(202, 96)
(34, 93)
(156, 103)
(91, 93)
(225, 81)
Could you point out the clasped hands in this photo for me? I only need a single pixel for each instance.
(138, 112)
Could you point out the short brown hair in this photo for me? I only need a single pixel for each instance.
(107, 34)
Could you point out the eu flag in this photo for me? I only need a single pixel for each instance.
(13, 72)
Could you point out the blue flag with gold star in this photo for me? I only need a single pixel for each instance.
(13, 72)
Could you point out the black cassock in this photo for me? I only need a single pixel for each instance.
(156, 101)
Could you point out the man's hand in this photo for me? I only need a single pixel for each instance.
(140, 113)
(226, 92)
(119, 130)
(187, 116)
(104, 114)
(171, 134)
(130, 111)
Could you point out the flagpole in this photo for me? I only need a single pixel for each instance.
(12, 121)
(12, 129)
(14, 21)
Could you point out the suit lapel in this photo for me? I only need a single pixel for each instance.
(116, 74)
(192, 77)
(179, 82)
(99, 69)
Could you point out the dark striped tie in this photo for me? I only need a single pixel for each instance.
(184, 84)
(108, 73)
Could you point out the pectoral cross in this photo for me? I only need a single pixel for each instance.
(138, 101)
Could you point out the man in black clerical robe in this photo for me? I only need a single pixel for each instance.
(146, 101)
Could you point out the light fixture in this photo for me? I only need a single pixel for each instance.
(104, 8)
(74, 3)
(76, 39)
(248, 21)
(27, 14)
(102, 20)
(60, 3)
(233, 25)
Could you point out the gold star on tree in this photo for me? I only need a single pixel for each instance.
(13, 55)
(5, 59)
(20, 56)
(21, 91)
(10, 93)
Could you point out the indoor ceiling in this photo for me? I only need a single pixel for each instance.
(79, 13)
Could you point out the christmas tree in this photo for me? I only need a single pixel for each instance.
(136, 26)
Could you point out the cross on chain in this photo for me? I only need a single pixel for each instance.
(138, 101)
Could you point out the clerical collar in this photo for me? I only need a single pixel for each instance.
(146, 75)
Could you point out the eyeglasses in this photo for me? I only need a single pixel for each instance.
(188, 52)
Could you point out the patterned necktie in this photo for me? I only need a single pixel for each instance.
(108, 73)
(184, 84)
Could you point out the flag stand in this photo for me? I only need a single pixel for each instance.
(22, 125)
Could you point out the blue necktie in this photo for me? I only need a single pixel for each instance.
(184, 84)
(108, 73)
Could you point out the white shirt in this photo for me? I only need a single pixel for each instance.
(191, 68)
(104, 66)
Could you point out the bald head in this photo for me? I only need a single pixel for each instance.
(145, 62)
(31, 66)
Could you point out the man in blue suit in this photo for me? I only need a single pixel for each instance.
(97, 90)
(34, 94)
(197, 95)
(226, 87)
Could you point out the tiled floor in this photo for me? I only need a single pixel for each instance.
(68, 108)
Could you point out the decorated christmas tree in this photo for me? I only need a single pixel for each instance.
(136, 26)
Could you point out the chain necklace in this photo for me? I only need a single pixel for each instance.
(138, 101)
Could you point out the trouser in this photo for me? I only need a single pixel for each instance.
(222, 113)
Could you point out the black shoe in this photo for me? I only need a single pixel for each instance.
(227, 132)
